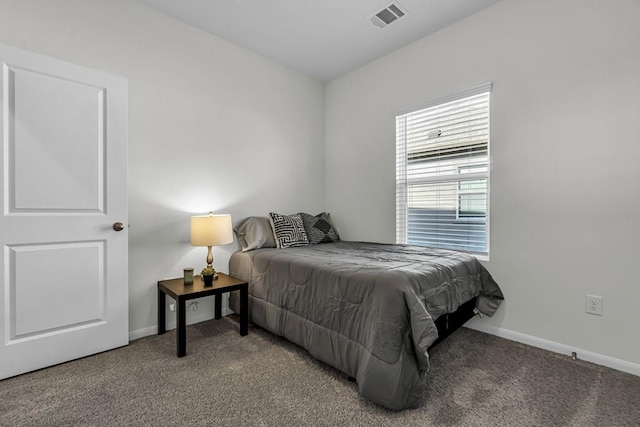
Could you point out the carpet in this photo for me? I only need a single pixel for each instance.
(263, 380)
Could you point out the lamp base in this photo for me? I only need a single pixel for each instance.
(209, 257)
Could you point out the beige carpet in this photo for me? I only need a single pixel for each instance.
(262, 380)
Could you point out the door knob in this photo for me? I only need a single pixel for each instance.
(118, 226)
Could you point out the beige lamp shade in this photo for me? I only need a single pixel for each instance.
(211, 230)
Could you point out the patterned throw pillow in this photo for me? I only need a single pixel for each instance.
(288, 230)
(319, 228)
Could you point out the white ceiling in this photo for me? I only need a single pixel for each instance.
(322, 38)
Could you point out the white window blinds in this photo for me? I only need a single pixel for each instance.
(442, 173)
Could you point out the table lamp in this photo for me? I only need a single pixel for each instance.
(211, 230)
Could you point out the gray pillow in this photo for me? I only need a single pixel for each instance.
(255, 232)
(319, 228)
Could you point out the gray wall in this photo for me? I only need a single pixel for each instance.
(565, 181)
(211, 127)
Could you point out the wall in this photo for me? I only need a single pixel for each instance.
(211, 127)
(565, 181)
(215, 127)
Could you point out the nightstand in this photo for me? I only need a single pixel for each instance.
(181, 293)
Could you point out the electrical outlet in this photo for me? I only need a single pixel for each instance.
(593, 304)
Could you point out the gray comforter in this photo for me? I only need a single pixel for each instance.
(367, 309)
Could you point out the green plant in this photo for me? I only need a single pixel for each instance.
(208, 271)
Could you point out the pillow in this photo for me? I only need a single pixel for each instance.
(319, 228)
(288, 230)
(255, 232)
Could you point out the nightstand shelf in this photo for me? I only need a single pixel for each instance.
(181, 293)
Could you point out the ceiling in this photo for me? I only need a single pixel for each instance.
(321, 38)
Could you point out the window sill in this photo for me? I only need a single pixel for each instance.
(482, 257)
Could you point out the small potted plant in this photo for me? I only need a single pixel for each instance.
(207, 275)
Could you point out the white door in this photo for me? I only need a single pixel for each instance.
(63, 267)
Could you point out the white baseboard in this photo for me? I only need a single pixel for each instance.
(589, 356)
(141, 333)
(478, 325)
(171, 324)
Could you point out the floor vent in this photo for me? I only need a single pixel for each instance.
(391, 13)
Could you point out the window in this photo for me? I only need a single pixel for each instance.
(442, 173)
(472, 194)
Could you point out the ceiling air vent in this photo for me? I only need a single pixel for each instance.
(392, 12)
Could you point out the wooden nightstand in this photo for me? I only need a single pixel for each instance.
(181, 293)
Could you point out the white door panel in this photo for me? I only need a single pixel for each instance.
(64, 290)
(66, 172)
(55, 298)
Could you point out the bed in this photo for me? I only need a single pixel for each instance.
(367, 309)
